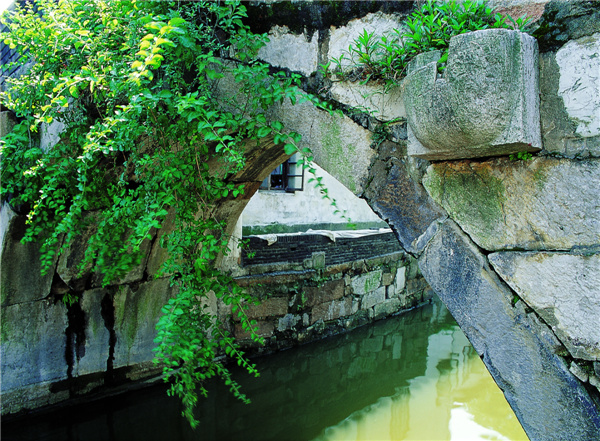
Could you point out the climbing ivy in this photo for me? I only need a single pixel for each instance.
(131, 88)
(428, 28)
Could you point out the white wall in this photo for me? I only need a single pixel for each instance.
(305, 208)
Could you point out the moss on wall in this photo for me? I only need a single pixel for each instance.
(466, 188)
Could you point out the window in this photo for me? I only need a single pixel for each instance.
(288, 177)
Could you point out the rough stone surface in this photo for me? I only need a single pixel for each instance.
(566, 20)
(20, 283)
(387, 308)
(579, 66)
(340, 37)
(517, 349)
(295, 52)
(384, 103)
(403, 204)
(366, 283)
(373, 298)
(486, 104)
(540, 204)
(340, 146)
(276, 306)
(34, 353)
(136, 314)
(564, 289)
(94, 357)
(332, 310)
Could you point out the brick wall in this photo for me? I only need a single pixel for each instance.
(296, 249)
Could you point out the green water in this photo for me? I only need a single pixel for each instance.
(410, 377)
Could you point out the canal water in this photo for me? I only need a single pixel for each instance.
(411, 377)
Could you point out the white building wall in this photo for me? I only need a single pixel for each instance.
(278, 211)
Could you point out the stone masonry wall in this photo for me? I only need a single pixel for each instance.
(311, 300)
(511, 246)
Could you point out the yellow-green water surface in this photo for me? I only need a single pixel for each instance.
(411, 377)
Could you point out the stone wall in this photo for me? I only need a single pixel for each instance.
(510, 246)
(313, 299)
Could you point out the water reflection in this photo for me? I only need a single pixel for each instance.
(410, 377)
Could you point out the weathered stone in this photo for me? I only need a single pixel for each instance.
(318, 260)
(400, 280)
(332, 310)
(579, 66)
(563, 289)
(578, 372)
(94, 356)
(275, 306)
(541, 204)
(486, 104)
(377, 24)
(387, 308)
(332, 290)
(34, 353)
(20, 282)
(566, 20)
(516, 348)
(289, 321)
(366, 283)
(373, 298)
(298, 53)
(69, 262)
(384, 103)
(264, 329)
(403, 204)
(387, 279)
(136, 314)
(340, 146)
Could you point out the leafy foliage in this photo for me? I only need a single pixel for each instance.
(429, 28)
(143, 137)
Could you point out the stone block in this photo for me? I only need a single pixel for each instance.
(136, 314)
(366, 283)
(400, 280)
(373, 298)
(297, 53)
(486, 104)
(403, 204)
(272, 307)
(265, 329)
(21, 276)
(579, 67)
(387, 279)
(385, 104)
(579, 372)
(94, 357)
(332, 290)
(492, 201)
(33, 344)
(332, 310)
(517, 349)
(288, 321)
(563, 289)
(387, 308)
(377, 23)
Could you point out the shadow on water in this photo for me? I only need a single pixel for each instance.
(381, 381)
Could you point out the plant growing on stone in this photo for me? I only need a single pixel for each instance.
(131, 86)
(428, 28)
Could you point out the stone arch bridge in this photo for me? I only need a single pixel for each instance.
(510, 246)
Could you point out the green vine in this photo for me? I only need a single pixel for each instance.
(132, 85)
(385, 57)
